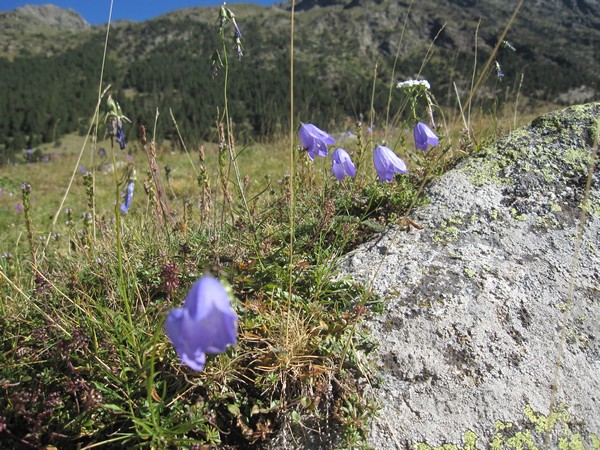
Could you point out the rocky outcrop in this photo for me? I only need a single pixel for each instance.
(34, 17)
(496, 300)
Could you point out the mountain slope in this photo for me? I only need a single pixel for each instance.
(32, 17)
(165, 62)
(45, 29)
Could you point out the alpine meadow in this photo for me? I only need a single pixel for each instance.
(177, 195)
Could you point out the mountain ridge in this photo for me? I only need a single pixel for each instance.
(550, 56)
(32, 17)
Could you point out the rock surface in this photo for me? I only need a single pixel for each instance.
(36, 16)
(474, 303)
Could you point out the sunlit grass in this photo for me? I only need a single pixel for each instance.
(68, 311)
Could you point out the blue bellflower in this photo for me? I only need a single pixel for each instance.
(128, 196)
(205, 324)
(424, 137)
(342, 164)
(120, 136)
(314, 140)
(238, 38)
(499, 72)
(238, 33)
(225, 15)
(114, 120)
(238, 47)
(387, 163)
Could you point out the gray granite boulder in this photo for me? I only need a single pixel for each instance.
(494, 300)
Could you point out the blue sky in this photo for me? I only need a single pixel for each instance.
(96, 11)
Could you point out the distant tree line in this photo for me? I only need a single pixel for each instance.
(45, 97)
(153, 66)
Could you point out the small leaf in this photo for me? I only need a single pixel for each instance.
(113, 407)
(155, 395)
(296, 417)
(234, 409)
(305, 402)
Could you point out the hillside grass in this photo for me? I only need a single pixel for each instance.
(264, 163)
(50, 178)
(85, 357)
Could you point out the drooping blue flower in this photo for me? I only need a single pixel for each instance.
(205, 324)
(499, 72)
(387, 163)
(238, 47)
(238, 33)
(424, 137)
(128, 196)
(114, 120)
(120, 136)
(342, 165)
(314, 140)
(226, 15)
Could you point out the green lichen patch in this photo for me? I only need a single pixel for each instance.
(542, 167)
(532, 433)
(446, 234)
(555, 145)
(448, 230)
(469, 439)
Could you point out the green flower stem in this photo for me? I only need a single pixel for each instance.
(26, 191)
(122, 281)
(229, 136)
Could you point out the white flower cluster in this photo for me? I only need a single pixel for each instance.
(414, 84)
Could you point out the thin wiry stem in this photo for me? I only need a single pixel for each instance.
(492, 56)
(292, 175)
(162, 206)
(426, 58)
(569, 301)
(182, 142)
(51, 320)
(460, 107)
(100, 96)
(517, 101)
(372, 107)
(229, 138)
(469, 100)
(430, 49)
(122, 281)
(95, 119)
(392, 81)
(75, 170)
